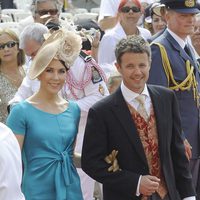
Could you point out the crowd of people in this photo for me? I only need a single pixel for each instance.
(106, 109)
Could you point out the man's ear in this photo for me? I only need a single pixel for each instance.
(167, 15)
(117, 66)
(150, 62)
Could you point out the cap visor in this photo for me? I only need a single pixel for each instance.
(188, 11)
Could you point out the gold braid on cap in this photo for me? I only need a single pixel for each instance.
(187, 84)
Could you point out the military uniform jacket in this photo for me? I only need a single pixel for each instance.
(188, 106)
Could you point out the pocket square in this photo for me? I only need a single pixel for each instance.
(112, 160)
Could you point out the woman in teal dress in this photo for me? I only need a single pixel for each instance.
(46, 124)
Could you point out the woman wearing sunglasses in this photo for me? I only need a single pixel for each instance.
(11, 69)
(129, 12)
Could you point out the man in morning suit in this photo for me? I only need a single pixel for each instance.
(133, 142)
(174, 66)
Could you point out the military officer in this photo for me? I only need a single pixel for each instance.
(174, 66)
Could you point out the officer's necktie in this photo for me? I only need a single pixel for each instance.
(198, 63)
(141, 108)
(188, 51)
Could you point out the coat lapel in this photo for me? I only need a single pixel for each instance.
(159, 108)
(122, 112)
(181, 51)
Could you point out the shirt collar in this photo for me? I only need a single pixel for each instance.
(130, 95)
(180, 41)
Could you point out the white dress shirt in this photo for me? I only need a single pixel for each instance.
(129, 97)
(180, 41)
(10, 166)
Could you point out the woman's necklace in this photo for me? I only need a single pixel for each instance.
(137, 32)
(14, 78)
(131, 32)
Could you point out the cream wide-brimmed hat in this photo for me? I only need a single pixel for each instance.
(156, 8)
(62, 45)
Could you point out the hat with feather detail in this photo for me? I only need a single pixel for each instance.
(61, 45)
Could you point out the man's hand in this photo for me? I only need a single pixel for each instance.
(148, 185)
(188, 149)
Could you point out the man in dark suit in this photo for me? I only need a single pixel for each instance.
(133, 142)
(174, 66)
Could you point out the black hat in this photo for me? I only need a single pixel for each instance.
(182, 6)
(87, 24)
(53, 26)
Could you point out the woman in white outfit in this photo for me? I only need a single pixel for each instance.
(10, 166)
(129, 12)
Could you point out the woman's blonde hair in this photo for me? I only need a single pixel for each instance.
(13, 35)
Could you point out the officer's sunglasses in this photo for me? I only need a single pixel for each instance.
(127, 9)
(9, 44)
(45, 12)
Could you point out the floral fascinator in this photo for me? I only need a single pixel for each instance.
(62, 45)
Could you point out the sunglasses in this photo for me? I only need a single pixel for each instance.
(127, 9)
(45, 12)
(9, 44)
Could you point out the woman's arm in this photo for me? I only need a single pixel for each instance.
(20, 139)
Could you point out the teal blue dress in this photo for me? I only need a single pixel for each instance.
(49, 172)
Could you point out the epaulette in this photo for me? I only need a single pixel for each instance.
(85, 56)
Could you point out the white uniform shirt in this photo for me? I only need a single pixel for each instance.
(10, 166)
(108, 8)
(106, 53)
